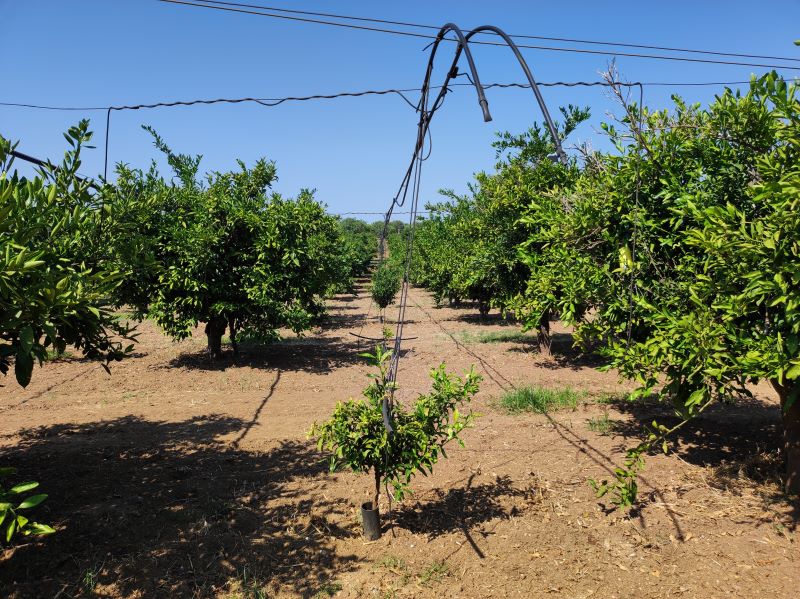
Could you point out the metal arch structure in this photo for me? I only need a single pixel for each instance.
(560, 154)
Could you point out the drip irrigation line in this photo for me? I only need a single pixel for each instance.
(46, 164)
(378, 213)
(270, 102)
(515, 36)
(380, 338)
(485, 43)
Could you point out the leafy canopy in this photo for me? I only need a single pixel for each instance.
(56, 288)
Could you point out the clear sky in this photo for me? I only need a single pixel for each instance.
(353, 151)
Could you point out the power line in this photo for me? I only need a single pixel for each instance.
(277, 101)
(516, 36)
(485, 43)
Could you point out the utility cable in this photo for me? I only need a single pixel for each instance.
(515, 36)
(484, 43)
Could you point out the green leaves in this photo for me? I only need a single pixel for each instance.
(227, 248)
(23, 368)
(357, 438)
(57, 280)
(12, 502)
(385, 285)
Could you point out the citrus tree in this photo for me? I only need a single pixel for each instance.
(228, 253)
(55, 289)
(386, 283)
(358, 439)
(360, 245)
(678, 255)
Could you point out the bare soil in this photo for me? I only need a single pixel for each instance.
(176, 477)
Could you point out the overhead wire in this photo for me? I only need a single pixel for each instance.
(480, 42)
(512, 35)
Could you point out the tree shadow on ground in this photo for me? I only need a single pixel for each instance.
(466, 508)
(564, 354)
(494, 319)
(740, 442)
(312, 354)
(158, 509)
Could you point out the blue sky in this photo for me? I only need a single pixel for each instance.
(353, 151)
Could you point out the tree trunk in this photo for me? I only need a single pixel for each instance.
(483, 309)
(232, 330)
(791, 435)
(543, 336)
(377, 490)
(215, 328)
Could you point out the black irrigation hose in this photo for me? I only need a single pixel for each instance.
(412, 176)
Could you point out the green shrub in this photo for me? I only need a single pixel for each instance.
(385, 286)
(358, 439)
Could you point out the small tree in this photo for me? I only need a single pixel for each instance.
(357, 437)
(385, 286)
(229, 254)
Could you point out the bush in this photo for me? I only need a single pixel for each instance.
(386, 284)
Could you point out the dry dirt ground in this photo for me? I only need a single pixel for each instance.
(174, 477)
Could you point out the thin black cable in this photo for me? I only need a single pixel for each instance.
(516, 36)
(484, 43)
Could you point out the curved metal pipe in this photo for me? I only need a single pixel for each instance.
(562, 156)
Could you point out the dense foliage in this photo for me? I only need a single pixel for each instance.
(227, 253)
(360, 245)
(56, 289)
(675, 255)
(684, 246)
(386, 283)
(358, 439)
(468, 248)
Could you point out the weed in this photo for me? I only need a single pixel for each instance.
(540, 400)
(329, 589)
(248, 587)
(391, 562)
(497, 337)
(602, 424)
(434, 572)
(54, 354)
(88, 582)
(606, 398)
